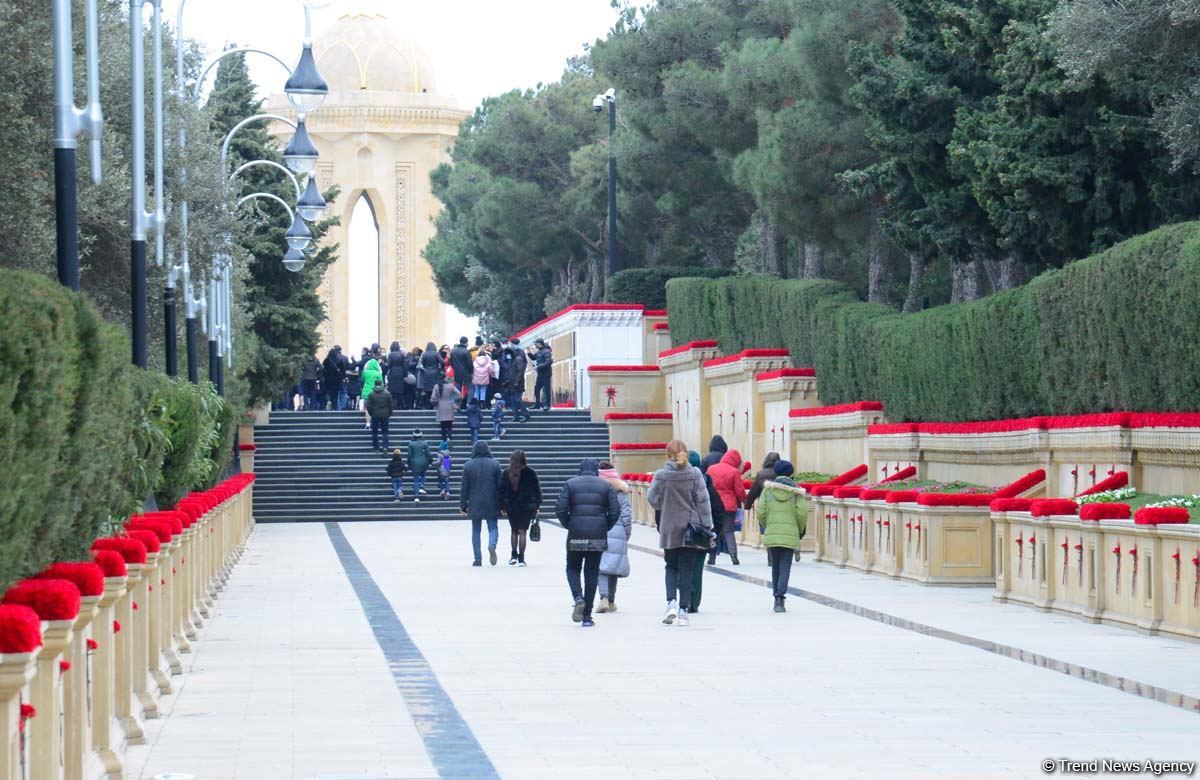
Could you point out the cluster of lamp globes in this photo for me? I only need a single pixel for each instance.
(306, 90)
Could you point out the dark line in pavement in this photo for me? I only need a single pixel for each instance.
(1142, 690)
(452, 746)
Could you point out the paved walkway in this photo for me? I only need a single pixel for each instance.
(374, 650)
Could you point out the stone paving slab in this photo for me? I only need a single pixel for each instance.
(290, 681)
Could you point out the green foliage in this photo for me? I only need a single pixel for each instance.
(83, 435)
(1074, 340)
(185, 420)
(648, 286)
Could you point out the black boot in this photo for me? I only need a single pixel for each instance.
(779, 604)
(736, 562)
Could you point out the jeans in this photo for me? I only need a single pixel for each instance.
(497, 428)
(379, 424)
(474, 434)
(520, 413)
(418, 483)
(781, 568)
(608, 586)
(479, 393)
(493, 535)
(343, 398)
(697, 580)
(589, 561)
(541, 389)
(726, 539)
(444, 483)
(679, 564)
(397, 486)
(447, 429)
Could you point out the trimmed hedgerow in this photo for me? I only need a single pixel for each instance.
(83, 434)
(1073, 340)
(648, 286)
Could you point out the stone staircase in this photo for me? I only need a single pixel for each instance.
(318, 466)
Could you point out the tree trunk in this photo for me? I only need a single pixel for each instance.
(773, 247)
(711, 253)
(814, 260)
(964, 280)
(916, 274)
(595, 278)
(879, 269)
(1005, 273)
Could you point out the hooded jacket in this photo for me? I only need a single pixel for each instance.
(397, 369)
(479, 494)
(681, 498)
(615, 560)
(764, 475)
(395, 467)
(379, 403)
(418, 456)
(588, 507)
(782, 514)
(430, 372)
(460, 361)
(372, 375)
(727, 479)
(716, 450)
(481, 374)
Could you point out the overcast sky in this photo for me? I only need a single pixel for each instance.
(479, 47)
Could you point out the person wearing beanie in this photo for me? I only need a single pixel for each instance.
(614, 563)
(764, 475)
(445, 464)
(498, 407)
(782, 519)
(418, 463)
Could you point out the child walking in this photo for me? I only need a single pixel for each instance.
(444, 465)
(497, 417)
(418, 463)
(395, 470)
(474, 419)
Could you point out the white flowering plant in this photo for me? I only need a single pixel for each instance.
(1120, 494)
(1187, 502)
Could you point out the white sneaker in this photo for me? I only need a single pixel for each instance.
(422, 491)
(683, 618)
(417, 500)
(672, 613)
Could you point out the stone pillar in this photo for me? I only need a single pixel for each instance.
(104, 667)
(129, 645)
(163, 616)
(16, 670)
(45, 730)
(77, 718)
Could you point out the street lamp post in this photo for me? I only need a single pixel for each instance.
(610, 97)
(69, 122)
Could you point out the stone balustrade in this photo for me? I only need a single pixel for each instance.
(86, 649)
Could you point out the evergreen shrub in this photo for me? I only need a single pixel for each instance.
(648, 286)
(1116, 331)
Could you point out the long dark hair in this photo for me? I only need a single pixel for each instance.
(516, 464)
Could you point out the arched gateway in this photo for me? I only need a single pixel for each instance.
(381, 131)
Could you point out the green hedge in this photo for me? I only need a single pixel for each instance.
(1117, 331)
(648, 286)
(84, 435)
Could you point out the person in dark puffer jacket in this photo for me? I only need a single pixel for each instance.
(716, 450)
(588, 508)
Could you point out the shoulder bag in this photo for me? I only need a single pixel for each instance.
(698, 537)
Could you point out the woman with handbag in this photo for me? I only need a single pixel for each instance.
(685, 526)
(614, 563)
(520, 499)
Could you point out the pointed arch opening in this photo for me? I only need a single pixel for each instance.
(363, 252)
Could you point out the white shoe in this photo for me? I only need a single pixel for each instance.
(672, 613)
(417, 500)
(683, 618)
(422, 491)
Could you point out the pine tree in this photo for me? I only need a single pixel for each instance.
(282, 307)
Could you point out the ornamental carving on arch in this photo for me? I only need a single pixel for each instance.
(402, 265)
(324, 177)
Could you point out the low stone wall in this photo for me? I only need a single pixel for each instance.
(629, 389)
(831, 439)
(638, 427)
(687, 392)
(76, 686)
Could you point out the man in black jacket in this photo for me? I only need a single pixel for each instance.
(460, 362)
(479, 499)
(517, 385)
(716, 450)
(588, 508)
(543, 361)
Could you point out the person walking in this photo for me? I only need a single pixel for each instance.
(462, 364)
(445, 466)
(481, 376)
(310, 370)
(614, 563)
(716, 450)
(543, 361)
(588, 508)
(474, 419)
(678, 492)
(783, 519)
(354, 384)
(379, 411)
(765, 474)
(516, 382)
(429, 375)
(333, 377)
(372, 375)
(397, 370)
(445, 404)
(497, 417)
(717, 510)
(479, 499)
(520, 499)
(727, 479)
(395, 470)
(418, 463)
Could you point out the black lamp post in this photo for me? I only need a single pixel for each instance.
(610, 97)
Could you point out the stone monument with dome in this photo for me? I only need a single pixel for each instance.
(381, 131)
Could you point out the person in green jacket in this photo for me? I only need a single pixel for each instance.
(782, 518)
(372, 374)
(418, 463)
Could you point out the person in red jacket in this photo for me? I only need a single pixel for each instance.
(727, 479)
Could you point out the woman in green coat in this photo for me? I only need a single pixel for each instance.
(782, 518)
(372, 374)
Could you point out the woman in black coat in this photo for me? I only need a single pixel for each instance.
(520, 498)
(429, 375)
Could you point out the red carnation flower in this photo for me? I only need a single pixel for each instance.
(116, 626)
(92, 644)
(28, 711)
(88, 577)
(64, 667)
(130, 549)
(50, 599)
(111, 563)
(149, 540)
(20, 629)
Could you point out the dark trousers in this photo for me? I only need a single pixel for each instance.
(541, 390)
(331, 397)
(697, 579)
(781, 568)
(679, 565)
(308, 388)
(379, 424)
(590, 563)
(397, 399)
(447, 429)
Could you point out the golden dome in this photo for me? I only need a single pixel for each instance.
(363, 50)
